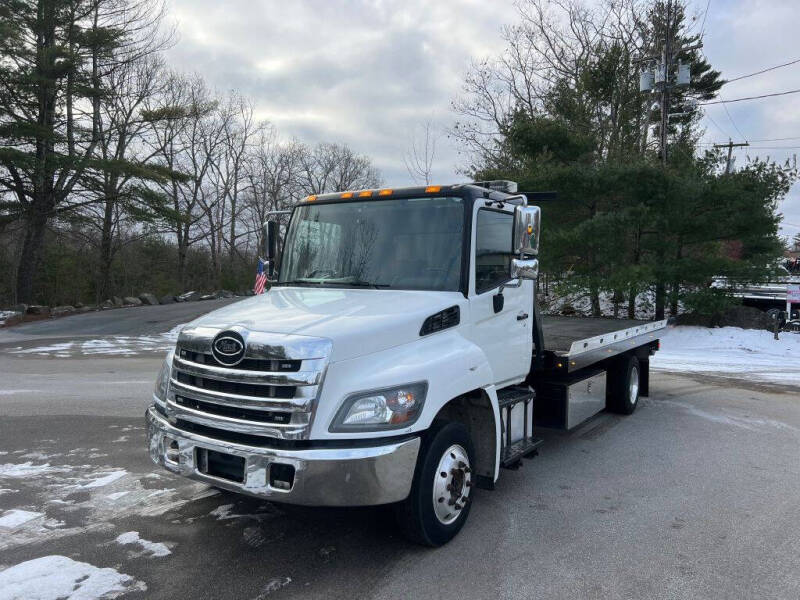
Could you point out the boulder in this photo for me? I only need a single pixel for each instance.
(131, 300)
(105, 304)
(37, 309)
(745, 317)
(166, 299)
(83, 308)
(148, 298)
(59, 311)
(208, 297)
(188, 296)
(117, 301)
(78, 305)
(224, 294)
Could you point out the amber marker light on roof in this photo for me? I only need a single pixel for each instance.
(311, 198)
(365, 194)
(347, 195)
(385, 193)
(432, 189)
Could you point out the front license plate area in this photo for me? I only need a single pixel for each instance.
(221, 465)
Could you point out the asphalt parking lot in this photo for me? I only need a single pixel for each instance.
(696, 495)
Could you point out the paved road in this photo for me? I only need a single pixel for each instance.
(134, 320)
(693, 496)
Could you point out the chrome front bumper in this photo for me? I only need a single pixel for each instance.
(322, 476)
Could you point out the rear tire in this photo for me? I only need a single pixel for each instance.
(438, 506)
(623, 386)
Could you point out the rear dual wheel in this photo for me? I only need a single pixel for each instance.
(623, 385)
(439, 502)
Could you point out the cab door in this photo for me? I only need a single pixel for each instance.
(500, 326)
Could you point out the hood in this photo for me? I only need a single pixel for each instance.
(358, 321)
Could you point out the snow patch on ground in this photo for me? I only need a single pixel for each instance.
(59, 577)
(5, 315)
(94, 495)
(731, 352)
(147, 547)
(27, 469)
(103, 480)
(12, 520)
(110, 346)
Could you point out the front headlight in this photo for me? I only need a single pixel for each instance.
(375, 410)
(162, 381)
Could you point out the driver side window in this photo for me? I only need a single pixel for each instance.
(492, 249)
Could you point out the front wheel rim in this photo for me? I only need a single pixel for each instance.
(451, 484)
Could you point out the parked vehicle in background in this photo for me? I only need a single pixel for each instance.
(399, 359)
(770, 296)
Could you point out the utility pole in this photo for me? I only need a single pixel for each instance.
(659, 76)
(666, 62)
(730, 146)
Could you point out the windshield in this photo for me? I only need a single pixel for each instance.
(409, 243)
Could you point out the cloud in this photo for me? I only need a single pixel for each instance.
(368, 72)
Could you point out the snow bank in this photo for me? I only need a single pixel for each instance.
(55, 577)
(731, 352)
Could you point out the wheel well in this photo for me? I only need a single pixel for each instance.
(474, 411)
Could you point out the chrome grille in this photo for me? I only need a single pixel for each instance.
(270, 393)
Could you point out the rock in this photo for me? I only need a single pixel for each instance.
(59, 311)
(745, 317)
(568, 309)
(20, 308)
(224, 294)
(83, 308)
(166, 300)
(78, 305)
(132, 301)
(188, 296)
(148, 298)
(208, 297)
(37, 309)
(106, 304)
(117, 301)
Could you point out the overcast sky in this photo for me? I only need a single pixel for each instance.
(370, 72)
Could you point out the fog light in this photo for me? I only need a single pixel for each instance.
(172, 451)
(281, 476)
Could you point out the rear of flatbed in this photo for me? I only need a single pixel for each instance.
(586, 365)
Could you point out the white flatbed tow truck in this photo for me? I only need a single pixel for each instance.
(398, 358)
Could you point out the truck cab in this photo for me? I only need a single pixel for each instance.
(397, 358)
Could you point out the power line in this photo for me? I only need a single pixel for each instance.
(705, 14)
(708, 116)
(730, 118)
(763, 71)
(751, 97)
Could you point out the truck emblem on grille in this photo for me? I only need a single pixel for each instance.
(228, 348)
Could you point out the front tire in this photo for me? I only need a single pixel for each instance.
(439, 502)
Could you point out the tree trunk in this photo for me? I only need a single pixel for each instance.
(594, 296)
(632, 292)
(106, 250)
(31, 255)
(661, 297)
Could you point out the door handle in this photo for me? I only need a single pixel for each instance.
(522, 316)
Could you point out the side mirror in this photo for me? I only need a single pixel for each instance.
(524, 268)
(527, 220)
(270, 234)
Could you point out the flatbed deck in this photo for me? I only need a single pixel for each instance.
(581, 341)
